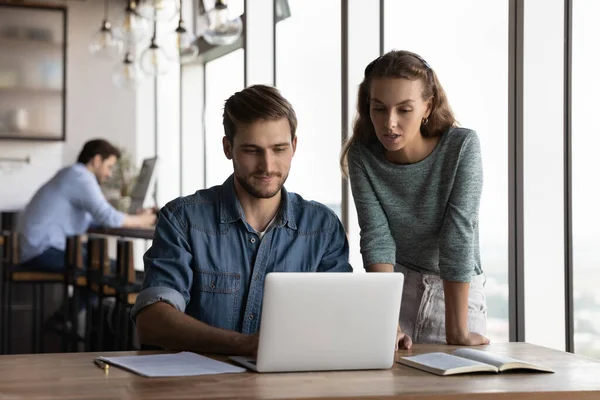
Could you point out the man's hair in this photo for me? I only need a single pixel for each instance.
(97, 147)
(257, 103)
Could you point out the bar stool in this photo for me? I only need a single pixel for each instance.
(2, 292)
(100, 284)
(128, 287)
(13, 274)
(75, 278)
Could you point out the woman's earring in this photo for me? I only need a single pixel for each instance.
(424, 121)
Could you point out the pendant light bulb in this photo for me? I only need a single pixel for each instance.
(222, 30)
(158, 10)
(126, 74)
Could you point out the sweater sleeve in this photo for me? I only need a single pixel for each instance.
(376, 242)
(460, 225)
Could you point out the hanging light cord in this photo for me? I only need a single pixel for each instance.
(154, 26)
(106, 10)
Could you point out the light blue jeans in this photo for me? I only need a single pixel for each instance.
(422, 312)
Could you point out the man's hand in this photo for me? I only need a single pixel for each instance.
(253, 344)
(470, 339)
(147, 217)
(403, 341)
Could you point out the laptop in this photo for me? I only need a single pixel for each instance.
(141, 194)
(327, 321)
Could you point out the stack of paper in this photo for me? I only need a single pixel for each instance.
(178, 364)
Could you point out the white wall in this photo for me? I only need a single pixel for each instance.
(95, 108)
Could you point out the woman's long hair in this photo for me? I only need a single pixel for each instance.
(399, 64)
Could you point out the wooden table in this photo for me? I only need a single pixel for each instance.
(74, 376)
(138, 233)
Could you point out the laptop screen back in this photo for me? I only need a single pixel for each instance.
(329, 321)
(142, 191)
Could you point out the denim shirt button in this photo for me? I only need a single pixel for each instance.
(212, 285)
(251, 316)
(252, 240)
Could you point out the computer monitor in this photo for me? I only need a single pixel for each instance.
(141, 195)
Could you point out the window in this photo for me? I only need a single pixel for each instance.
(543, 202)
(192, 143)
(168, 140)
(585, 182)
(468, 49)
(224, 77)
(308, 65)
(363, 47)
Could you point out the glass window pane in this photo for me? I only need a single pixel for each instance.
(363, 47)
(224, 77)
(472, 48)
(168, 147)
(308, 75)
(192, 144)
(586, 185)
(259, 43)
(543, 173)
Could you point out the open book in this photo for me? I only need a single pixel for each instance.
(465, 361)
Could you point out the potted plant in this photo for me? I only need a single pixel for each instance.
(118, 188)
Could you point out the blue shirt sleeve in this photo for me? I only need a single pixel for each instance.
(168, 273)
(335, 258)
(90, 198)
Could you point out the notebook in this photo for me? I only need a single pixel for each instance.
(167, 365)
(466, 361)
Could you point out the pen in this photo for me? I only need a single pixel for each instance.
(101, 364)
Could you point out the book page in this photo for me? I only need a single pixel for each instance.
(445, 364)
(499, 361)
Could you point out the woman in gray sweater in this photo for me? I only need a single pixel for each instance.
(416, 179)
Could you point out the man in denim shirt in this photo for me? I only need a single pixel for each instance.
(206, 268)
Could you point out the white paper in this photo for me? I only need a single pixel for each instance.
(166, 365)
(443, 361)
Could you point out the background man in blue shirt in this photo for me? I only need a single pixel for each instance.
(67, 205)
(205, 271)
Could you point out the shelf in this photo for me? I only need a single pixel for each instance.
(31, 91)
(33, 46)
(31, 136)
(30, 43)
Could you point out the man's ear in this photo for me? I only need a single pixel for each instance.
(294, 142)
(227, 148)
(95, 161)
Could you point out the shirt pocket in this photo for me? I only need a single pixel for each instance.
(218, 295)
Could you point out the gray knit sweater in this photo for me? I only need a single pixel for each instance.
(424, 216)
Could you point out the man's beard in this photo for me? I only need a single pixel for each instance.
(257, 192)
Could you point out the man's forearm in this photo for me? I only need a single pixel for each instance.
(134, 221)
(162, 325)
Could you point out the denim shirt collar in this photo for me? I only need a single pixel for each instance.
(231, 209)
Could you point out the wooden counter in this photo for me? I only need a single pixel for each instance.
(75, 376)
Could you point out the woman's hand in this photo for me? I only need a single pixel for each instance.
(403, 341)
(470, 339)
(456, 298)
